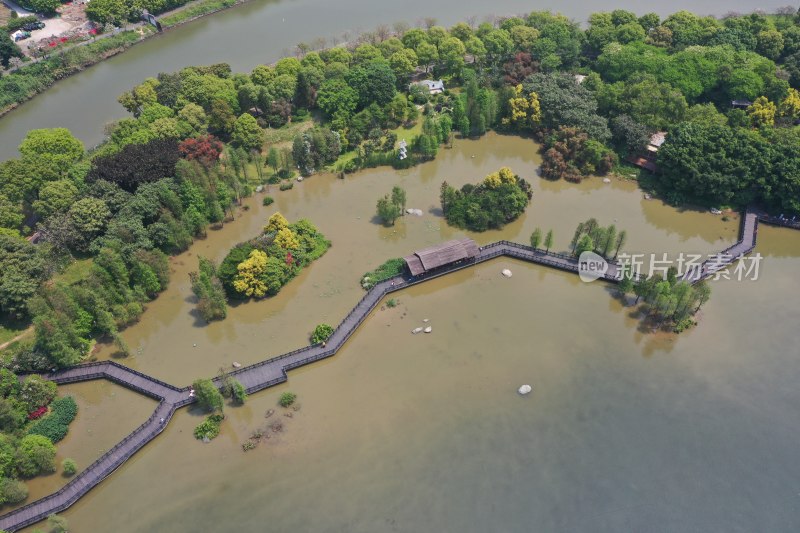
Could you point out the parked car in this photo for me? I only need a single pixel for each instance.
(21, 35)
(33, 26)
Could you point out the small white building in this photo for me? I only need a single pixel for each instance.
(433, 86)
(656, 140)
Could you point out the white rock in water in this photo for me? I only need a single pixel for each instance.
(606, 180)
(410, 211)
(259, 188)
(525, 389)
(428, 329)
(299, 178)
(425, 320)
(236, 364)
(506, 272)
(416, 330)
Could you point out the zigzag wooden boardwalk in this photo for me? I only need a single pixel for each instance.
(748, 234)
(273, 371)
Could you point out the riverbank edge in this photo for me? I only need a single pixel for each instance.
(116, 51)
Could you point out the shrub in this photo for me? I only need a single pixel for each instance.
(286, 185)
(209, 428)
(287, 399)
(232, 388)
(37, 413)
(69, 467)
(238, 392)
(391, 303)
(13, 491)
(321, 333)
(208, 396)
(390, 269)
(55, 425)
(267, 201)
(36, 454)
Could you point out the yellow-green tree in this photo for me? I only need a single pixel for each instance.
(140, 96)
(492, 181)
(495, 179)
(526, 112)
(249, 279)
(287, 239)
(507, 176)
(276, 223)
(790, 106)
(762, 112)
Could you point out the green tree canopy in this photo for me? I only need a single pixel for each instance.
(247, 133)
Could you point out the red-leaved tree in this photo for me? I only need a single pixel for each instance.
(205, 149)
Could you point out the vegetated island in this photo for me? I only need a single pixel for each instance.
(258, 267)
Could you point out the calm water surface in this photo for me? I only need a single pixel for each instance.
(625, 431)
(263, 31)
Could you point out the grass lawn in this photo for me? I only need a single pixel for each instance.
(402, 133)
(9, 330)
(77, 271)
(282, 137)
(408, 133)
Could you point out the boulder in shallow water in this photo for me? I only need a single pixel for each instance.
(525, 389)
(506, 272)
(416, 330)
(428, 329)
(606, 180)
(236, 364)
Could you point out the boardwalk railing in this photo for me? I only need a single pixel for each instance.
(273, 371)
(96, 472)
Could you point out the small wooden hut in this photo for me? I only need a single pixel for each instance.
(447, 253)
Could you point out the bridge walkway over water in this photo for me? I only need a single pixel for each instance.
(272, 371)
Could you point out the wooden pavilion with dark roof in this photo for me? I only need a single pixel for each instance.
(446, 253)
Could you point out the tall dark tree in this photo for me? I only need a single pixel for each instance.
(136, 164)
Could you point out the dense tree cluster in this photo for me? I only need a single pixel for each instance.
(391, 207)
(207, 287)
(590, 236)
(668, 302)
(31, 420)
(261, 266)
(718, 165)
(570, 154)
(499, 199)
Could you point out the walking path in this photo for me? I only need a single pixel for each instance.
(273, 371)
(748, 234)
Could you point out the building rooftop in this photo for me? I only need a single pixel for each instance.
(440, 255)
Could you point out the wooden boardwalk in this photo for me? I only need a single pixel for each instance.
(748, 234)
(273, 371)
